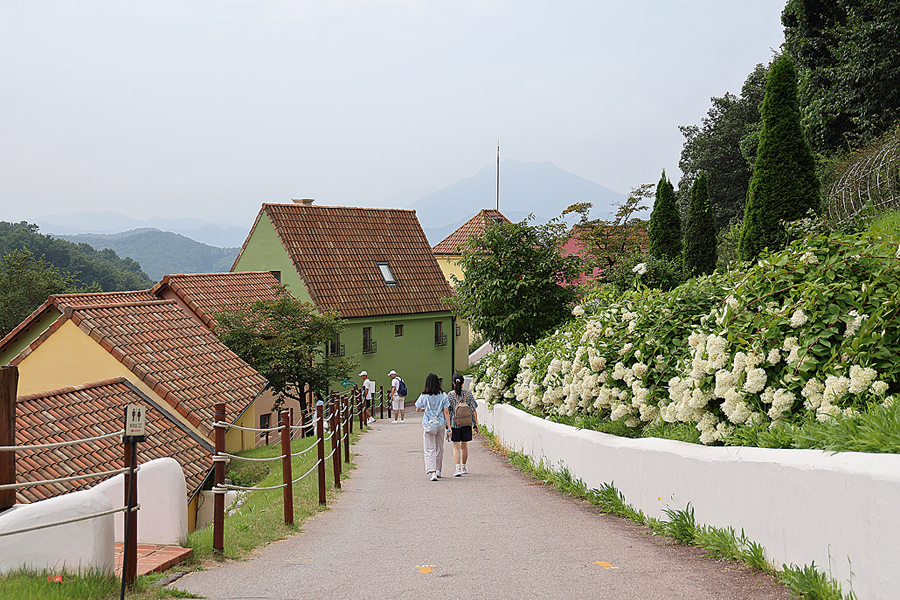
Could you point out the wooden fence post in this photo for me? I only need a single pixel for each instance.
(219, 479)
(346, 429)
(9, 382)
(335, 421)
(320, 444)
(381, 401)
(286, 473)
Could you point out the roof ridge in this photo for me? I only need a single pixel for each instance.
(70, 389)
(333, 207)
(70, 309)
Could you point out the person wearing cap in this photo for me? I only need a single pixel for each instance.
(397, 401)
(368, 396)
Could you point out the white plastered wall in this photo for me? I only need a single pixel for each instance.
(840, 510)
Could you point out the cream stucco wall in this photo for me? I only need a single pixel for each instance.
(450, 266)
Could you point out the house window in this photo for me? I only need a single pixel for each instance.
(265, 420)
(369, 345)
(440, 338)
(336, 348)
(386, 273)
(398, 330)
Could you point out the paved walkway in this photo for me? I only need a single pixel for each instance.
(152, 558)
(494, 533)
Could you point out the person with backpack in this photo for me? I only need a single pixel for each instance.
(463, 420)
(398, 396)
(433, 402)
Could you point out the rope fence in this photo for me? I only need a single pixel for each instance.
(341, 412)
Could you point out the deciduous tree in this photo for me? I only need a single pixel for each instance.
(286, 340)
(515, 282)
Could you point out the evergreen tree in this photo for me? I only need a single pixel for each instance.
(784, 185)
(665, 223)
(700, 233)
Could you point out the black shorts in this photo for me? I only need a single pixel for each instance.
(461, 434)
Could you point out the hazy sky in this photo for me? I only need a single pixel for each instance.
(209, 108)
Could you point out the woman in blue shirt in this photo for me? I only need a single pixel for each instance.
(433, 402)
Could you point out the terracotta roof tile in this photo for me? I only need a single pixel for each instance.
(475, 226)
(335, 250)
(207, 293)
(172, 354)
(92, 410)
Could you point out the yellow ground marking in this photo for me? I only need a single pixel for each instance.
(605, 565)
(425, 568)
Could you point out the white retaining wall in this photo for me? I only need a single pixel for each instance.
(162, 494)
(83, 545)
(840, 510)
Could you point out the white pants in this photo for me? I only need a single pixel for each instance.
(434, 450)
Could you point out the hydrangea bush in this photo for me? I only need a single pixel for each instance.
(809, 332)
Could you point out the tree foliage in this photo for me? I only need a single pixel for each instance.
(664, 230)
(784, 184)
(700, 232)
(25, 283)
(86, 265)
(724, 147)
(285, 340)
(607, 243)
(848, 58)
(515, 287)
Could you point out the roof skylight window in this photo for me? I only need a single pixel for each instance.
(386, 273)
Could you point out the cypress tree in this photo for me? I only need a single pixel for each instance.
(664, 230)
(700, 233)
(784, 185)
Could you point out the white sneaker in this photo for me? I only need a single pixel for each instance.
(438, 474)
(463, 470)
(457, 472)
(371, 420)
(394, 421)
(434, 476)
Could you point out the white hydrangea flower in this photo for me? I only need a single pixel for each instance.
(809, 258)
(782, 402)
(640, 269)
(813, 392)
(861, 378)
(756, 380)
(879, 388)
(854, 325)
(578, 311)
(639, 369)
(835, 388)
(798, 319)
(774, 356)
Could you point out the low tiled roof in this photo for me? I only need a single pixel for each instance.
(93, 410)
(452, 244)
(180, 360)
(207, 293)
(59, 302)
(335, 251)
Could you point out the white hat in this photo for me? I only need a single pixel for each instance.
(363, 374)
(393, 372)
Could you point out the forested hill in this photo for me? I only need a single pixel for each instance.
(162, 252)
(87, 265)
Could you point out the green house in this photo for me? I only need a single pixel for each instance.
(373, 267)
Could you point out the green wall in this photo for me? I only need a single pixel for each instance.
(413, 355)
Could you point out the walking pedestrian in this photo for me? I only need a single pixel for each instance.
(368, 396)
(433, 402)
(397, 400)
(461, 429)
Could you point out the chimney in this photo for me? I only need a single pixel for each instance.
(303, 201)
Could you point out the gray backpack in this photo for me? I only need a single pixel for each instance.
(462, 413)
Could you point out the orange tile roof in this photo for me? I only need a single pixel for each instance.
(93, 410)
(60, 301)
(207, 293)
(335, 250)
(180, 360)
(452, 244)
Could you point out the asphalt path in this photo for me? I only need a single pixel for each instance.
(494, 533)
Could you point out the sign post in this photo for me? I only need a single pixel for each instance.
(135, 428)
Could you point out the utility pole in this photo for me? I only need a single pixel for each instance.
(498, 175)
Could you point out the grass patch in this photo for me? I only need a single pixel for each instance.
(92, 585)
(806, 582)
(258, 521)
